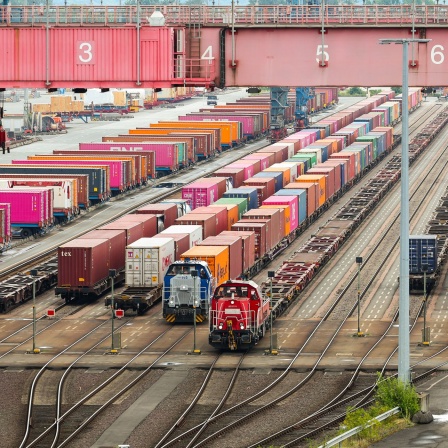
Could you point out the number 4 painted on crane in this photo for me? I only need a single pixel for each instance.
(208, 54)
(322, 56)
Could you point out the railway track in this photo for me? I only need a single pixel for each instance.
(54, 428)
(223, 421)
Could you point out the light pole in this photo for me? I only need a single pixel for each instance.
(404, 373)
(194, 275)
(271, 275)
(33, 273)
(425, 270)
(359, 261)
(112, 273)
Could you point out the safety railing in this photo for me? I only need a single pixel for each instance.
(261, 15)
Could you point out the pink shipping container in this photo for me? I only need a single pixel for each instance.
(181, 242)
(260, 235)
(250, 167)
(285, 143)
(219, 181)
(157, 57)
(266, 159)
(330, 184)
(134, 230)
(236, 174)
(235, 245)
(166, 153)
(115, 168)
(248, 246)
(342, 164)
(200, 194)
(82, 263)
(166, 212)
(207, 222)
(28, 207)
(220, 215)
(149, 223)
(117, 245)
(292, 202)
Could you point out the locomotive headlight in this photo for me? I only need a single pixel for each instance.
(196, 303)
(220, 326)
(241, 326)
(171, 301)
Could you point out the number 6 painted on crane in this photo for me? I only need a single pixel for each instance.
(320, 50)
(436, 53)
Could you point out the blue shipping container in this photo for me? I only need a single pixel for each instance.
(248, 193)
(277, 176)
(422, 251)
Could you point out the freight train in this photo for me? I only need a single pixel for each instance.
(250, 224)
(235, 325)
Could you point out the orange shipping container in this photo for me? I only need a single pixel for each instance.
(217, 258)
(285, 170)
(321, 180)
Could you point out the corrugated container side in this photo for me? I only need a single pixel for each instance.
(260, 235)
(181, 242)
(194, 231)
(149, 223)
(248, 246)
(235, 245)
(169, 212)
(134, 230)
(220, 213)
(207, 222)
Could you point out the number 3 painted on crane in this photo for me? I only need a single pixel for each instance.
(85, 52)
(320, 50)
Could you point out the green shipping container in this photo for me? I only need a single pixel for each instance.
(240, 202)
(373, 140)
(311, 156)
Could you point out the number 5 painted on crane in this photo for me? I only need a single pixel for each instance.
(320, 51)
(85, 52)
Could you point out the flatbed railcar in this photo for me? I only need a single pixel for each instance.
(302, 267)
(19, 287)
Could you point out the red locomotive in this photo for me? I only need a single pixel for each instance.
(238, 315)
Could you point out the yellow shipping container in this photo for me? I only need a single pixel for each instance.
(232, 213)
(43, 108)
(217, 258)
(320, 179)
(119, 97)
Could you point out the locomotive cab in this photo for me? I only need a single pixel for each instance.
(238, 315)
(188, 286)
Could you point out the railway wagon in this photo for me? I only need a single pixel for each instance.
(19, 288)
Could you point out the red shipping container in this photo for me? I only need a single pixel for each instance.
(292, 202)
(248, 244)
(169, 212)
(235, 245)
(82, 263)
(207, 222)
(260, 235)
(134, 230)
(150, 227)
(276, 215)
(330, 173)
(280, 154)
(236, 174)
(200, 194)
(350, 157)
(312, 195)
(220, 215)
(266, 159)
(341, 168)
(117, 245)
(219, 181)
(268, 182)
(181, 242)
(6, 208)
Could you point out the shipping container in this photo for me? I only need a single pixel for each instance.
(321, 181)
(165, 213)
(276, 229)
(276, 175)
(147, 261)
(422, 253)
(220, 213)
(194, 232)
(260, 235)
(232, 213)
(217, 258)
(235, 246)
(248, 246)
(181, 242)
(149, 222)
(241, 203)
(293, 203)
(207, 222)
(134, 230)
(301, 196)
(248, 193)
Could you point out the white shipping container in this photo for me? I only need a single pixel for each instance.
(147, 261)
(195, 232)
